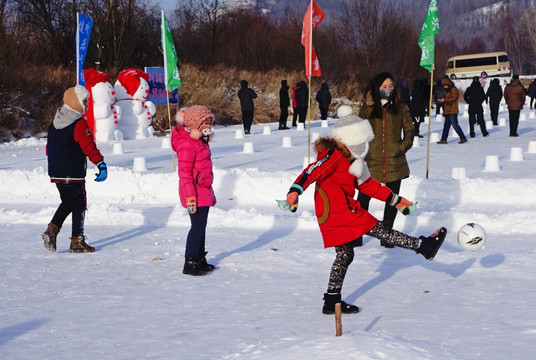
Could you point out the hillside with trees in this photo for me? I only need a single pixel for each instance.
(218, 45)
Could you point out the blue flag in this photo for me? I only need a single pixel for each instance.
(83, 31)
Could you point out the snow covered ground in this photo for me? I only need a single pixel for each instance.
(130, 300)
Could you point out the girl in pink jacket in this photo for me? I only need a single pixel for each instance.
(190, 141)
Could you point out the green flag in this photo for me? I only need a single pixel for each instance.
(173, 79)
(427, 36)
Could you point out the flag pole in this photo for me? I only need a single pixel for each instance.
(166, 82)
(310, 64)
(429, 119)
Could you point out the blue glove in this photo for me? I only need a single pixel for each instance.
(103, 172)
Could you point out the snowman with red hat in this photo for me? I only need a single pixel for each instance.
(102, 115)
(132, 91)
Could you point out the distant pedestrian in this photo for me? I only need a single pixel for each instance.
(417, 108)
(284, 102)
(190, 140)
(474, 96)
(294, 104)
(246, 96)
(69, 144)
(451, 112)
(532, 92)
(302, 101)
(439, 93)
(323, 96)
(514, 95)
(404, 93)
(494, 96)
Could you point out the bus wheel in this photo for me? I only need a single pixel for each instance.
(452, 77)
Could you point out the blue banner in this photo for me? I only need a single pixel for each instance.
(83, 31)
(157, 87)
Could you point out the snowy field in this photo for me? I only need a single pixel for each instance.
(130, 300)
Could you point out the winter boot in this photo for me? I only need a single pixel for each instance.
(203, 263)
(78, 245)
(193, 266)
(431, 244)
(49, 236)
(329, 305)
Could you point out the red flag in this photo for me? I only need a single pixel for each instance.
(313, 16)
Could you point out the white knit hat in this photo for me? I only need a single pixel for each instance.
(355, 133)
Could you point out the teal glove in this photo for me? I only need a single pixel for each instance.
(403, 205)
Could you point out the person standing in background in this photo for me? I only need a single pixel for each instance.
(439, 93)
(246, 96)
(393, 137)
(323, 96)
(475, 96)
(494, 96)
(294, 105)
(532, 92)
(302, 101)
(417, 106)
(284, 102)
(514, 95)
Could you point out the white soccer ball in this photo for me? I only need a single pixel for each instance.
(472, 237)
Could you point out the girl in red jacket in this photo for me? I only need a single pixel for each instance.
(190, 141)
(338, 171)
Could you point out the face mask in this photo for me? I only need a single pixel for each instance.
(386, 93)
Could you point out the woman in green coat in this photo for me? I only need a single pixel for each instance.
(393, 137)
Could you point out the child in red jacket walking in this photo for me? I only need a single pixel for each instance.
(338, 171)
(69, 144)
(190, 141)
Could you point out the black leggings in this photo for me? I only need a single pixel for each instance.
(345, 253)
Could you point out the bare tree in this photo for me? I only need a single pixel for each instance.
(528, 33)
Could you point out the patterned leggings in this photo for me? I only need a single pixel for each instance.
(345, 253)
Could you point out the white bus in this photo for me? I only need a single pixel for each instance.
(466, 66)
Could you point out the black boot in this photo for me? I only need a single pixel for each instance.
(431, 244)
(192, 266)
(203, 265)
(329, 305)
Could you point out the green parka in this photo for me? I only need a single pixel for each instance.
(393, 137)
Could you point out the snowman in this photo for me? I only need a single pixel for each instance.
(132, 90)
(102, 115)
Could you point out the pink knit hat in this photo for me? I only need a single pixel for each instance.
(193, 117)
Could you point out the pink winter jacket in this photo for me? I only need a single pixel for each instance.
(195, 168)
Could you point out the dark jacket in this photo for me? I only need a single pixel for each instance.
(495, 92)
(417, 105)
(475, 96)
(246, 96)
(323, 96)
(302, 95)
(532, 89)
(514, 95)
(439, 91)
(69, 142)
(284, 100)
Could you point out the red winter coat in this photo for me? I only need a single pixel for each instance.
(340, 216)
(194, 168)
